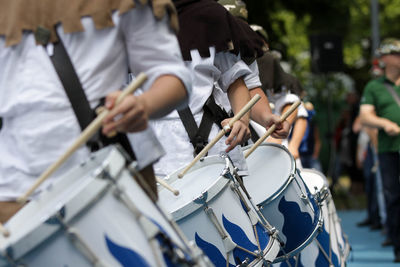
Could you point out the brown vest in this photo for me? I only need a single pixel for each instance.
(17, 16)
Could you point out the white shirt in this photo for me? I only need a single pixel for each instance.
(223, 68)
(38, 122)
(282, 99)
(252, 80)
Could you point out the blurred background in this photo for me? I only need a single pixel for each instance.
(329, 46)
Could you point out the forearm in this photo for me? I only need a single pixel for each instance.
(261, 112)
(239, 96)
(299, 130)
(293, 116)
(371, 120)
(166, 93)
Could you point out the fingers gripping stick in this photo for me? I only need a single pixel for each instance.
(221, 133)
(89, 131)
(272, 128)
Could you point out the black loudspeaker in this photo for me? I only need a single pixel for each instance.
(326, 53)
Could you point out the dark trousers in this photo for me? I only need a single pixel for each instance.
(390, 170)
(371, 188)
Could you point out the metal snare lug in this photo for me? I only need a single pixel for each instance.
(244, 263)
(305, 199)
(103, 172)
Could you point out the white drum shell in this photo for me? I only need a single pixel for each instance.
(339, 246)
(273, 176)
(206, 180)
(90, 207)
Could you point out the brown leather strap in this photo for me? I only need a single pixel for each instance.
(8, 209)
(147, 180)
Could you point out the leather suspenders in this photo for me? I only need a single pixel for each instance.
(80, 105)
(199, 135)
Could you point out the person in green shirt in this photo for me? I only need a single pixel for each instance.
(380, 109)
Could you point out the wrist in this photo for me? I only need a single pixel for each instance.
(143, 100)
(245, 121)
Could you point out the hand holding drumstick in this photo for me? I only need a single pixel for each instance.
(90, 130)
(272, 128)
(226, 128)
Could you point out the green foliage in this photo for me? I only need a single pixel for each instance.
(289, 24)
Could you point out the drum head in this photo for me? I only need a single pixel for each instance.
(313, 178)
(201, 178)
(270, 166)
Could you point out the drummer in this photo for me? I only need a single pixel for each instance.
(102, 41)
(218, 54)
(283, 90)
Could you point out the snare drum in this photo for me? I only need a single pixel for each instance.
(95, 215)
(282, 197)
(330, 247)
(213, 211)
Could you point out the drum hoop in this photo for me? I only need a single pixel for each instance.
(42, 227)
(289, 179)
(273, 247)
(172, 177)
(213, 191)
(319, 223)
(318, 173)
(210, 193)
(293, 165)
(279, 192)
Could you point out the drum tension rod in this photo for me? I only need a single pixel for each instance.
(175, 253)
(79, 242)
(226, 239)
(272, 230)
(9, 259)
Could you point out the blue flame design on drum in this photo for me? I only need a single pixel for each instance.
(211, 251)
(293, 262)
(240, 238)
(294, 216)
(324, 240)
(125, 256)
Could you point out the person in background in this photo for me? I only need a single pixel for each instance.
(366, 144)
(346, 143)
(282, 90)
(311, 144)
(380, 108)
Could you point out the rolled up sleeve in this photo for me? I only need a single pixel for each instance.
(152, 47)
(231, 67)
(252, 80)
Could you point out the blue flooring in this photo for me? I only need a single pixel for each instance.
(366, 244)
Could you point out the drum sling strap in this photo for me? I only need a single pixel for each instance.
(80, 105)
(391, 91)
(253, 134)
(212, 113)
(83, 112)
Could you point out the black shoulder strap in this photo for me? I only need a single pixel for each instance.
(254, 135)
(80, 105)
(394, 94)
(199, 135)
(219, 114)
(72, 85)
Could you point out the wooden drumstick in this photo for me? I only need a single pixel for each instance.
(221, 133)
(4, 231)
(167, 186)
(272, 128)
(89, 131)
